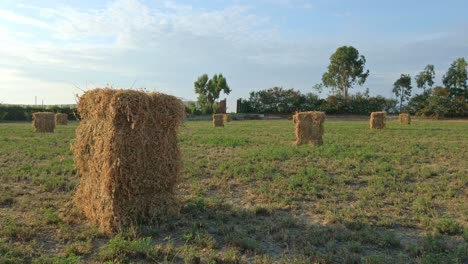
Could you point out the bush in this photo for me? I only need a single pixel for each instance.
(286, 101)
(24, 113)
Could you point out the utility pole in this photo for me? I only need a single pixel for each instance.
(35, 100)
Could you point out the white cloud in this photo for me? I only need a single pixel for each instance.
(19, 89)
(19, 19)
(168, 45)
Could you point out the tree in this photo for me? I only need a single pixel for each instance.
(456, 77)
(276, 100)
(318, 88)
(402, 88)
(345, 70)
(425, 78)
(192, 107)
(208, 91)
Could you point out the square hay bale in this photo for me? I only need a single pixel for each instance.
(309, 127)
(226, 118)
(43, 121)
(218, 120)
(377, 120)
(405, 119)
(127, 157)
(61, 119)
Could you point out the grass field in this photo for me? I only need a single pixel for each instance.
(248, 195)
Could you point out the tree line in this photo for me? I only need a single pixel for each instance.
(347, 69)
(24, 113)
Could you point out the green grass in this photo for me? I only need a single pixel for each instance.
(249, 195)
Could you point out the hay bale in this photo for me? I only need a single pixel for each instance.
(377, 120)
(61, 119)
(226, 118)
(309, 127)
(218, 120)
(405, 119)
(43, 121)
(127, 157)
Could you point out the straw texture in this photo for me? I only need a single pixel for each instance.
(43, 122)
(61, 119)
(377, 120)
(309, 127)
(127, 157)
(218, 120)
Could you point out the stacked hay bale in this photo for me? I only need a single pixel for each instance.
(405, 119)
(43, 121)
(61, 119)
(309, 127)
(377, 120)
(127, 157)
(226, 118)
(218, 120)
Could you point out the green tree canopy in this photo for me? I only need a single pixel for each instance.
(209, 90)
(456, 78)
(402, 88)
(345, 70)
(425, 79)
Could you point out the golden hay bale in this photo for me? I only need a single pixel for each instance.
(61, 119)
(226, 118)
(405, 119)
(309, 127)
(218, 120)
(43, 121)
(377, 120)
(127, 157)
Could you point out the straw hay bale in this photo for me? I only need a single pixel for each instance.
(127, 156)
(218, 120)
(61, 119)
(43, 121)
(405, 119)
(226, 118)
(309, 127)
(377, 120)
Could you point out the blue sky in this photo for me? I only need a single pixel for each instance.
(56, 49)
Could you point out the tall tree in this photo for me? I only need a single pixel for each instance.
(456, 77)
(425, 79)
(402, 88)
(345, 70)
(208, 90)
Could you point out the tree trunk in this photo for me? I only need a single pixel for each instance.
(401, 101)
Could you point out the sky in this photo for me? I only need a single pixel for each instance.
(55, 50)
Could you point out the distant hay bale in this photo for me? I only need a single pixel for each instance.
(218, 120)
(43, 121)
(61, 119)
(405, 119)
(377, 120)
(127, 157)
(226, 118)
(309, 127)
